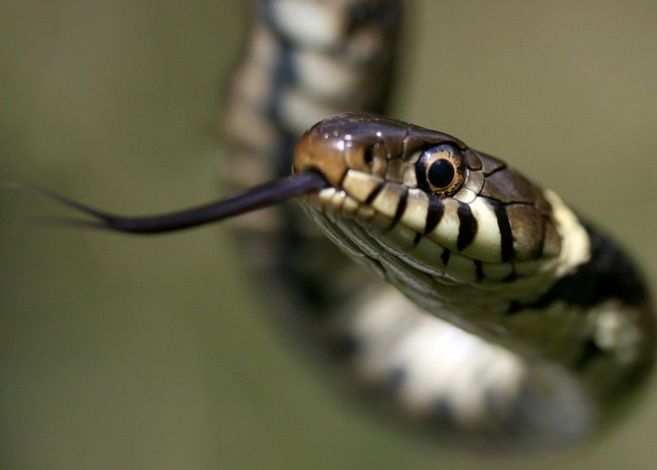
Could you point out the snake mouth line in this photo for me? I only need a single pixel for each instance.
(401, 220)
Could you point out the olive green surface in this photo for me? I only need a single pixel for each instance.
(156, 353)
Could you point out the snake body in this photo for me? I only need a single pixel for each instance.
(505, 320)
(496, 316)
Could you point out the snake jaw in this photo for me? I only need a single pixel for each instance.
(497, 230)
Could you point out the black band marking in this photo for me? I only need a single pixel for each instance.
(610, 273)
(434, 214)
(467, 226)
(479, 268)
(506, 236)
(401, 207)
(444, 256)
(375, 192)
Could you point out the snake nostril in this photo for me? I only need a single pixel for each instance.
(368, 156)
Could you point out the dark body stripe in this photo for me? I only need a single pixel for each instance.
(467, 226)
(434, 214)
(444, 256)
(506, 235)
(375, 192)
(401, 207)
(479, 268)
(609, 274)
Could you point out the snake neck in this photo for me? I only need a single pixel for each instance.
(584, 306)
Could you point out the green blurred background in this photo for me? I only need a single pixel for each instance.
(155, 353)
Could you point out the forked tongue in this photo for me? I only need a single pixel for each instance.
(255, 198)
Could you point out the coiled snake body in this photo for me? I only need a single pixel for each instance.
(524, 325)
(504, 320)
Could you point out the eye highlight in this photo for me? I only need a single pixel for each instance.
(440, 170)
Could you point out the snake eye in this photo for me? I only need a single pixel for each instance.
(440, 170)
(441, 173)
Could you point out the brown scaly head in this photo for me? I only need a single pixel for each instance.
(423, 202)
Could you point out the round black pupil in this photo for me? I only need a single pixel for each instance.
(441, 173)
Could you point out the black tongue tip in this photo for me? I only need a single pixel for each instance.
(252, 199)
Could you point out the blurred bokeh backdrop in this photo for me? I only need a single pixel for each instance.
(155, 353)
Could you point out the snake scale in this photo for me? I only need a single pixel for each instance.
(504, 320)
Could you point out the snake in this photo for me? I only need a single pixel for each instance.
(489, 313)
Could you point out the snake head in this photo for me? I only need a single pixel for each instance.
(427, 198)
